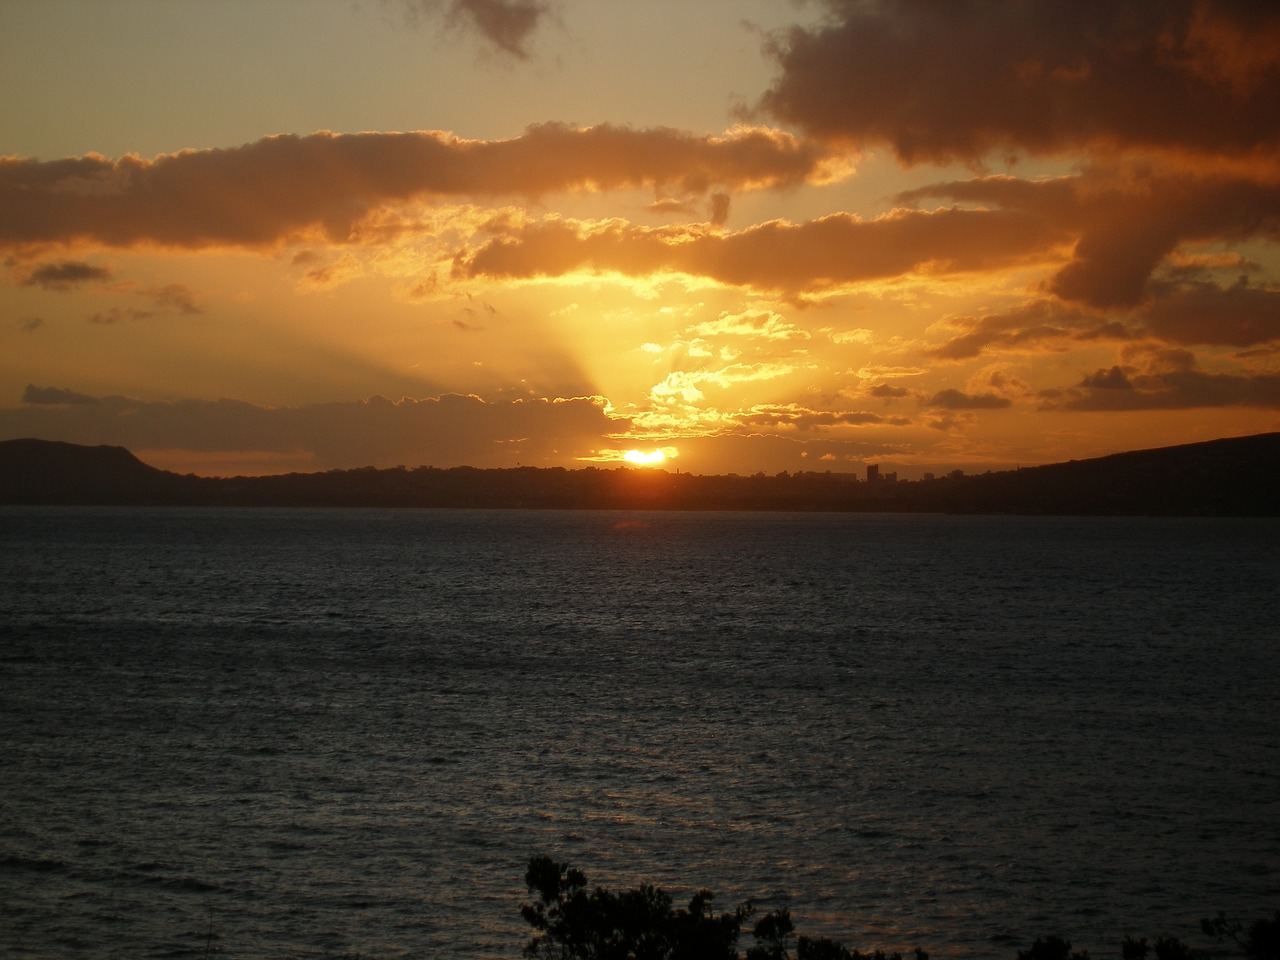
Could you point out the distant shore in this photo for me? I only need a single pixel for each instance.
(1229, 477)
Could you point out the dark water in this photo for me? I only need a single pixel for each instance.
(329, 733)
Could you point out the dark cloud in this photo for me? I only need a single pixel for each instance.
(64, 275)
(1113, 379)
(1126, 219)
(1187, 314)
(172, 296)
(952, 399)
(1026, 328)
(449, 430)
(54, 395)
(1157, 358)
(30, 324)
(1129, 229)
(263, 193)
(508, 25)
(887, 392)
(719, 209)
(116, 315)
(1174, 390)
(957, 80)
(1204, 313)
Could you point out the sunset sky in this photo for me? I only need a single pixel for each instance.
(257, 236)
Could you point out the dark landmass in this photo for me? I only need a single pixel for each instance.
(1231, 477)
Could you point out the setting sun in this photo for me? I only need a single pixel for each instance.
(642, 459)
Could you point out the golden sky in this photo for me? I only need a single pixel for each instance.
(256, 236)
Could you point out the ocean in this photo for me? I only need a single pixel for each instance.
(337, 733)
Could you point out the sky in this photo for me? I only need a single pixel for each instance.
(730, 236)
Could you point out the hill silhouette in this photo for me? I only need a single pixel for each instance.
(1229, 477)
(46, 471)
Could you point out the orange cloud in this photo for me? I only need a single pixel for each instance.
(777, 256)
(958, 80)
(764, 325)
(263, 193)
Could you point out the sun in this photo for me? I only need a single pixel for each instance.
(644, 459)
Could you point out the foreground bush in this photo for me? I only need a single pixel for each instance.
(571, 921)
(1260, 941)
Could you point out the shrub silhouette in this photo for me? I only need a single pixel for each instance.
(1261, 942)
(1052, 948)
(572, 921)
(1165, 948)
